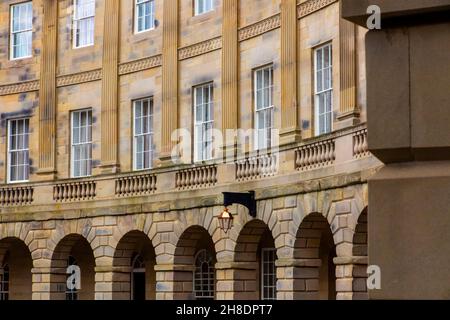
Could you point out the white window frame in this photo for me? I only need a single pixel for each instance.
(135, 270)
(27, 30)
(25, 149)
(86, 143)
(209, 278)
(77, 20)
(203, 129)
(264, 275)
(266, 108)
(138, 3)
(323, 126)
(149, 133)
(203, 6)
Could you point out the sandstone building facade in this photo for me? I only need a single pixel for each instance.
(90, 94)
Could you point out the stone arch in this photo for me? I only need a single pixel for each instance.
(15, 270)
(72, 248)
(132, 246)
(314, 275)
(193, 240)
(360, 257)
(255, 256)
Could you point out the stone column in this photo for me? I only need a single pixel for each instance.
(348, 108)
(47, 92)
(109, 119)
(230, 67)
(169, 79)
(106, 283)
(174, 282)
(290, 130)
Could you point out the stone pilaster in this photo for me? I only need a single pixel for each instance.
(109, 118)
(47, 92)
(351, 278)
(230, 76)
(290, 131)
(169, 79)
(41, 284)
(348, 109)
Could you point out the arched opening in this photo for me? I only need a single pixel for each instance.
(134, 261)
(360, 240)
(256, 247)
(15, 270)
(73, 270)
(195, 250)
(315, 251)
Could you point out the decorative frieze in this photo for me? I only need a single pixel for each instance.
(311, 6)
(196, 177)
(200, 48)
(135, 185)
(75, 191)
(22, 87)
(16, 196)
(260, 27)
(77, 78)
(140, 65)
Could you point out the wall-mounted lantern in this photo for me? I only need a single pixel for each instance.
(246, 199)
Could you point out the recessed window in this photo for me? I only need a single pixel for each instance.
(4, 283)
(21, 30)
(203, 6)
(268, 274)
(204, 276)
(18, 150)
(83, 23)
(81, 143)
(204, 122)
(264, 109)
(323, 101)
(144, 15)
(143, 134)
(71, 294)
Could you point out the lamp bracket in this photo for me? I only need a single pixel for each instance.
(246, 199)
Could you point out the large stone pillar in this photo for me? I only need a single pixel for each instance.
(237, 281)
(174, 282)
(408, 81)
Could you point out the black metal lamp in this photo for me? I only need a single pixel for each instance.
(246, 199)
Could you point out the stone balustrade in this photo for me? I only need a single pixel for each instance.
(196, 177)
(134, 185)
(74, 191)
(360, 147)
(16, 196)
(257, 167)
(315, 155)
